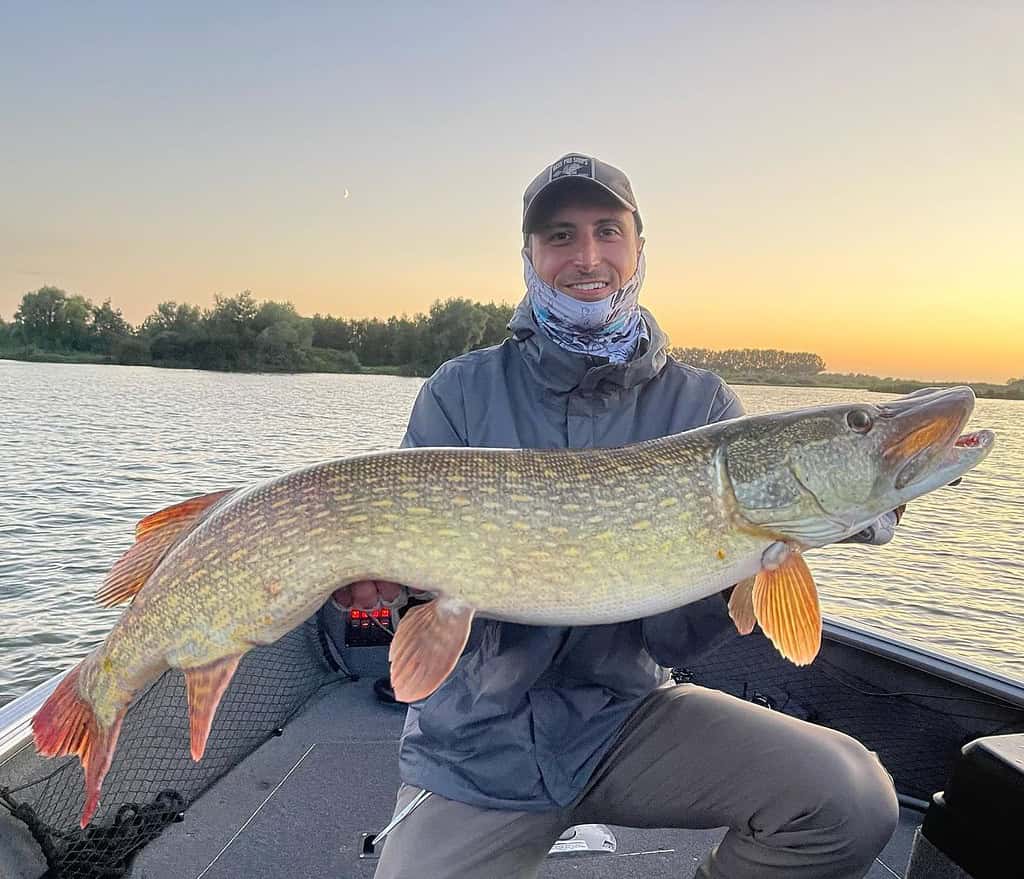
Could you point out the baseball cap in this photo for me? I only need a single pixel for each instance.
(576, 166)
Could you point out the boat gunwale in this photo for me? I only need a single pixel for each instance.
(16, 717)
(946, 668)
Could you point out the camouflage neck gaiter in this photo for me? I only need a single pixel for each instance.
(611, 327)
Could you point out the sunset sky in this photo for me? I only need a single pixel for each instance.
(843, 178)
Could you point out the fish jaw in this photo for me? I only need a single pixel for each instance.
(919, 429)
(966, 453)
(924, 447)
(928, 449)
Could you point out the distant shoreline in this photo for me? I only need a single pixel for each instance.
(857, 382)
(874, 384)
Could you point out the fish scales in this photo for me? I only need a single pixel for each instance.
(493, 528)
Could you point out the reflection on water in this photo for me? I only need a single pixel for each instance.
(86, 451)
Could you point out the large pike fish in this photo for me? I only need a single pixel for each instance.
(553, 537)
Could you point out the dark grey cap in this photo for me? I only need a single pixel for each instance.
(575, 166)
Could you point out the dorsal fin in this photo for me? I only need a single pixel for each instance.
(154, 536)
(180, 513)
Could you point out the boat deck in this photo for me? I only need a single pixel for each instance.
(299, 805)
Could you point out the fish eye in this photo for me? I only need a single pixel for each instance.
(859, 420)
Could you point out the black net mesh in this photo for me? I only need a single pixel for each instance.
(153, 778)
(916, 735)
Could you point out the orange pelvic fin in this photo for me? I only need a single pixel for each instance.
(786, 605)
(741, 606)
(66, 724)
(205, 686)
(426, 647)
(154, 536)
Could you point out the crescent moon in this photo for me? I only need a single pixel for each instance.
(346, 193)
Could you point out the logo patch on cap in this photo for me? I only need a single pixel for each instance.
(573, 166)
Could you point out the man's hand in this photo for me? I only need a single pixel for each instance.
(371, 594)
(881, 531)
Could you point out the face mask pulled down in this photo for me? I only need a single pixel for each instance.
(611, 327)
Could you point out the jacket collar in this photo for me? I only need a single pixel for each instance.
(562, 371)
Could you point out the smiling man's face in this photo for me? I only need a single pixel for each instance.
(586, 247)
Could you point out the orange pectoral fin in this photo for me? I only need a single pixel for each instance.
(154, 536)
(426, 647)
(785, 602)
(205, 686)
(741, 606)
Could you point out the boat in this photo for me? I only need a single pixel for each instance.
(301, 768)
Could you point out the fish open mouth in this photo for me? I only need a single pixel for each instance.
(974, 440)
(925, 445)
(931, 470)
(968, 445)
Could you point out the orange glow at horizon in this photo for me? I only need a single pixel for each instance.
(812, 177)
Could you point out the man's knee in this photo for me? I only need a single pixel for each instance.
(857, 810)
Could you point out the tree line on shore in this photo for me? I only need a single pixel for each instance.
(239, 333)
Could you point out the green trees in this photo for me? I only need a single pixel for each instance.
(752, 360)
(109, 329)
(50, 319)
(239, 333)
(418, 345)
(171, 331)
(283, 338)
(170, 317)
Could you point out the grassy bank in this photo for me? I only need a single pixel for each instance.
(318, 360)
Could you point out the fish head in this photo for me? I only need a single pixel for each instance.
(815, 476)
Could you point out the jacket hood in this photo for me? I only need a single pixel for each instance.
(563, 371)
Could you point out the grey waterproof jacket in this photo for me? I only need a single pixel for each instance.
(529, 711)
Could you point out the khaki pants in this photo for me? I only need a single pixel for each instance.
(800, 801)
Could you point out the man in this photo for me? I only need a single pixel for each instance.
(539, 728)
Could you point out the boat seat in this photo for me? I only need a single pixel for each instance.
(971, 828)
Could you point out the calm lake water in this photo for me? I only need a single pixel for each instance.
(86, 451)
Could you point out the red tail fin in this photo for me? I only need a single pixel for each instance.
(66, 724)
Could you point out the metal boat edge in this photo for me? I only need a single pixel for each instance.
(957, 671)
(16, 717)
